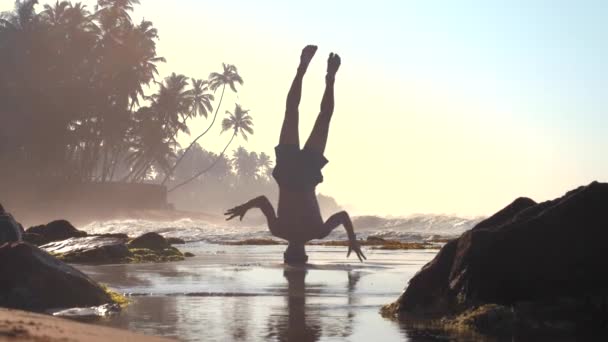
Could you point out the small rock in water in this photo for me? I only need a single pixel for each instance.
(153, 241)
(175, 241)
(188, 255)
(55, 231)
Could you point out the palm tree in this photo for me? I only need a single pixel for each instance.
(265, 164)
(152, 145)
(139, 41)
(112, 13)
(229, 77)
(23, 18)
(239, 122)
(56, 15)
(201, 100)
(172, 103)
(246, 163)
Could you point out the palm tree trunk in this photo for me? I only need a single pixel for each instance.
(135, 170)
(217, 109)
(141, 175)
(104, 166)
(205, 170)
(113, 161)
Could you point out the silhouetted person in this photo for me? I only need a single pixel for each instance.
(10, 230)
(298, 171)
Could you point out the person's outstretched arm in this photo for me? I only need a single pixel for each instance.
(342, 218)
(260, 202)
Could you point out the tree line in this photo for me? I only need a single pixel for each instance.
(81, 98)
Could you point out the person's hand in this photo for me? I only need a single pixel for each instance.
(354, 246)
(239, 211)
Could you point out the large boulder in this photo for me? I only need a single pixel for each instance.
(551, 252)
(10, 230)
(153, 241)
(54, 231)
(32, 279)
(90, 249)
(113, 249)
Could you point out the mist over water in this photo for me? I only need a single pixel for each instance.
(411, 228)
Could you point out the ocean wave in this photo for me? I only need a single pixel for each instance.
(408, 229)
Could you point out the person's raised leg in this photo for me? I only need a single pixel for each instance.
(289, 131)
(318, 137)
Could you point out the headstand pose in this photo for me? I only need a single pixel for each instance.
(298, 171)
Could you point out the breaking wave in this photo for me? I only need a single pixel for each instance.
(411, 228)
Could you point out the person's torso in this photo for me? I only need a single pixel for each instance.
(299, 214)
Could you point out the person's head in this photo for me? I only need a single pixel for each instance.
(1, 209)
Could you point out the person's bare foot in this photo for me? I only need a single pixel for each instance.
(333, 63)
(307, 54)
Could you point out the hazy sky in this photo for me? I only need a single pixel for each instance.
(441, 106)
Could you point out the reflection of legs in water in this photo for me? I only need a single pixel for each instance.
(289, 131)
(300, 327)
(353, 279)
(318, 136)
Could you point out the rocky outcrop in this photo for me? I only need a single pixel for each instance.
(552, 252)
(32, 279)
(175, 241)
(90, 250)
(108, 249)
(54, 231)
(153, 241)
(10, 230)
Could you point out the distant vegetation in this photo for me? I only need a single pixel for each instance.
(81, 101)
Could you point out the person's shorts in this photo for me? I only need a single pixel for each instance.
(298, 169)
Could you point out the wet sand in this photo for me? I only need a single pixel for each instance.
(26, 326)
(245, 293)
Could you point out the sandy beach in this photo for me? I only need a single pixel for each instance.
(18, 325)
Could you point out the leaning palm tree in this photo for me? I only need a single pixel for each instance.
(229, 77)
(239, 122)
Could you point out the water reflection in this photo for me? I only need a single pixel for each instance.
(198, 302)
(301, 319)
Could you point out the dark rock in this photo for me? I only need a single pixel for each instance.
(10, 230)
(153, 241)
(109, 250)
(527, 252)
(56, 231)
(90, 250)
(376, 239)
(175, 241)
(188, 255)
(34, 239)
(32, 279)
